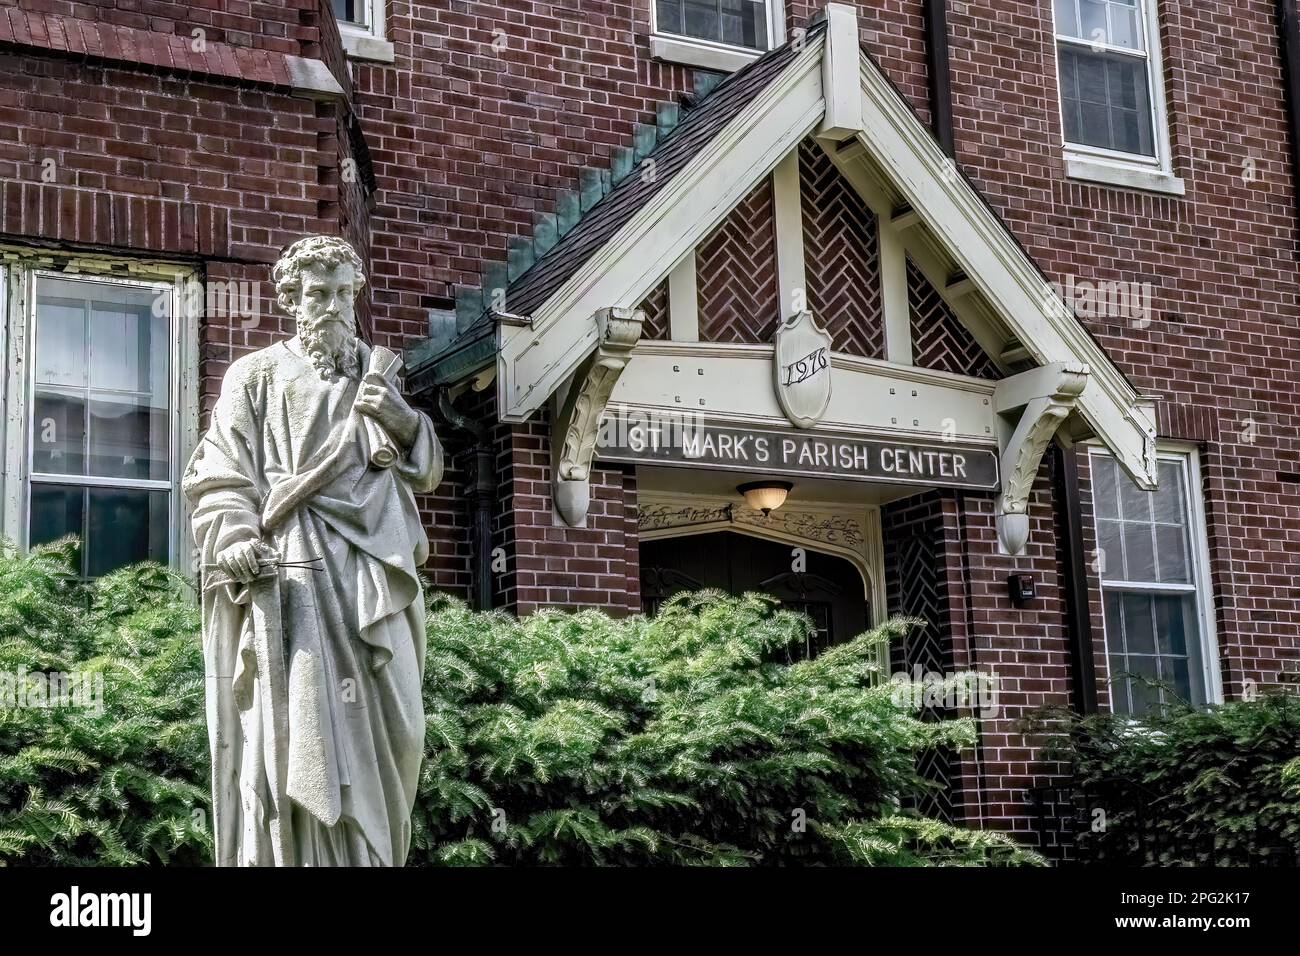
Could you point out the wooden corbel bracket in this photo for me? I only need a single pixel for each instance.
(573, 437)
(1045, 397)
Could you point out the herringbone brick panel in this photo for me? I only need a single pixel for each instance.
(655, 307)
(914, 559)
(939, 340)
(841, 257)
(735, 274)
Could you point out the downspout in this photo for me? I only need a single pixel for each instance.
(1078, 620)
(1289, 28)
(482, 485)
(936, 46)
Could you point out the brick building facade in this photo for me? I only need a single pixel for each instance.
(484, 158)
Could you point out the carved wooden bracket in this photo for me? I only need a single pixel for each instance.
(1047, 395)
(573, 438)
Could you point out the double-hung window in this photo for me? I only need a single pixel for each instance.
(94, 416)
(1112, 93)
(1155, 586)
(721, 35)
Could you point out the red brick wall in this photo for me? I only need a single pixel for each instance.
(472, 140)
(1221, 351)
(99, 152)
(735, 273)
(548, 564)
(275, 26)
(1028, 648)
(841, 257)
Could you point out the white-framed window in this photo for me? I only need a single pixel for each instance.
(1154, 565)
(100, 413)
(1112, 96)
(362, 26)
(721, 35)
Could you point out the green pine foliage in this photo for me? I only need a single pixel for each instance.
(1187, 786)
(122, 781)
(564, 738)
(574, 738)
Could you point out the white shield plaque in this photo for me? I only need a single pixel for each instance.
(802, 360)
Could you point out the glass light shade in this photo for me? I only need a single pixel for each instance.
(765, 496)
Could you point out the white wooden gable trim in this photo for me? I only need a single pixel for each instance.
(902, 152)
(533, 360)
(894, 163)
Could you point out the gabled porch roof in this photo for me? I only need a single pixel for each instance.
(557, 309)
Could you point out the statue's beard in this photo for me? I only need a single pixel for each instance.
(331, 347)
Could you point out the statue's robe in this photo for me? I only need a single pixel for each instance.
(315, 720)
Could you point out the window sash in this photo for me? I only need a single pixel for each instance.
(1203, 659)
(1138, 587)
(1159, 160)
(360, 8)
(1103, 47)
(773, 10)
(1140, 22)
(173, 389)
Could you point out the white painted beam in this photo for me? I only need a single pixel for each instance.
(980, 246)
(683, 301)
(894, 301)
(840, 66)
(788, 213)
(734, 382)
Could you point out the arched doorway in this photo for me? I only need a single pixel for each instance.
(828, 588)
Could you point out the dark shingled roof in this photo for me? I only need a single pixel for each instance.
(595, 228)
(599, 224)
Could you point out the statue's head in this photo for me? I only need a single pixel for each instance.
(317, 281)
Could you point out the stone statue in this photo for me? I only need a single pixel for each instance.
(313, 617)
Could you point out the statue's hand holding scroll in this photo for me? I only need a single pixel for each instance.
(382, 400)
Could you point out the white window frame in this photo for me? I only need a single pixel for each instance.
(369, 42)
(708, 55)
(1112, 167)
(18, 278)
(1188, 456)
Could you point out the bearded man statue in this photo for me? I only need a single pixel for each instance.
(313, 616)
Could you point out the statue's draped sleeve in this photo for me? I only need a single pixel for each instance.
(222, 487)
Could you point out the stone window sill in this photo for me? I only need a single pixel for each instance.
(361, 44)
(1111, 173)
(705, 56)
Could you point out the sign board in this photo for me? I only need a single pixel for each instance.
(643, 437)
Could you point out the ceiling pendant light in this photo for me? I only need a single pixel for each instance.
(765, 496)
